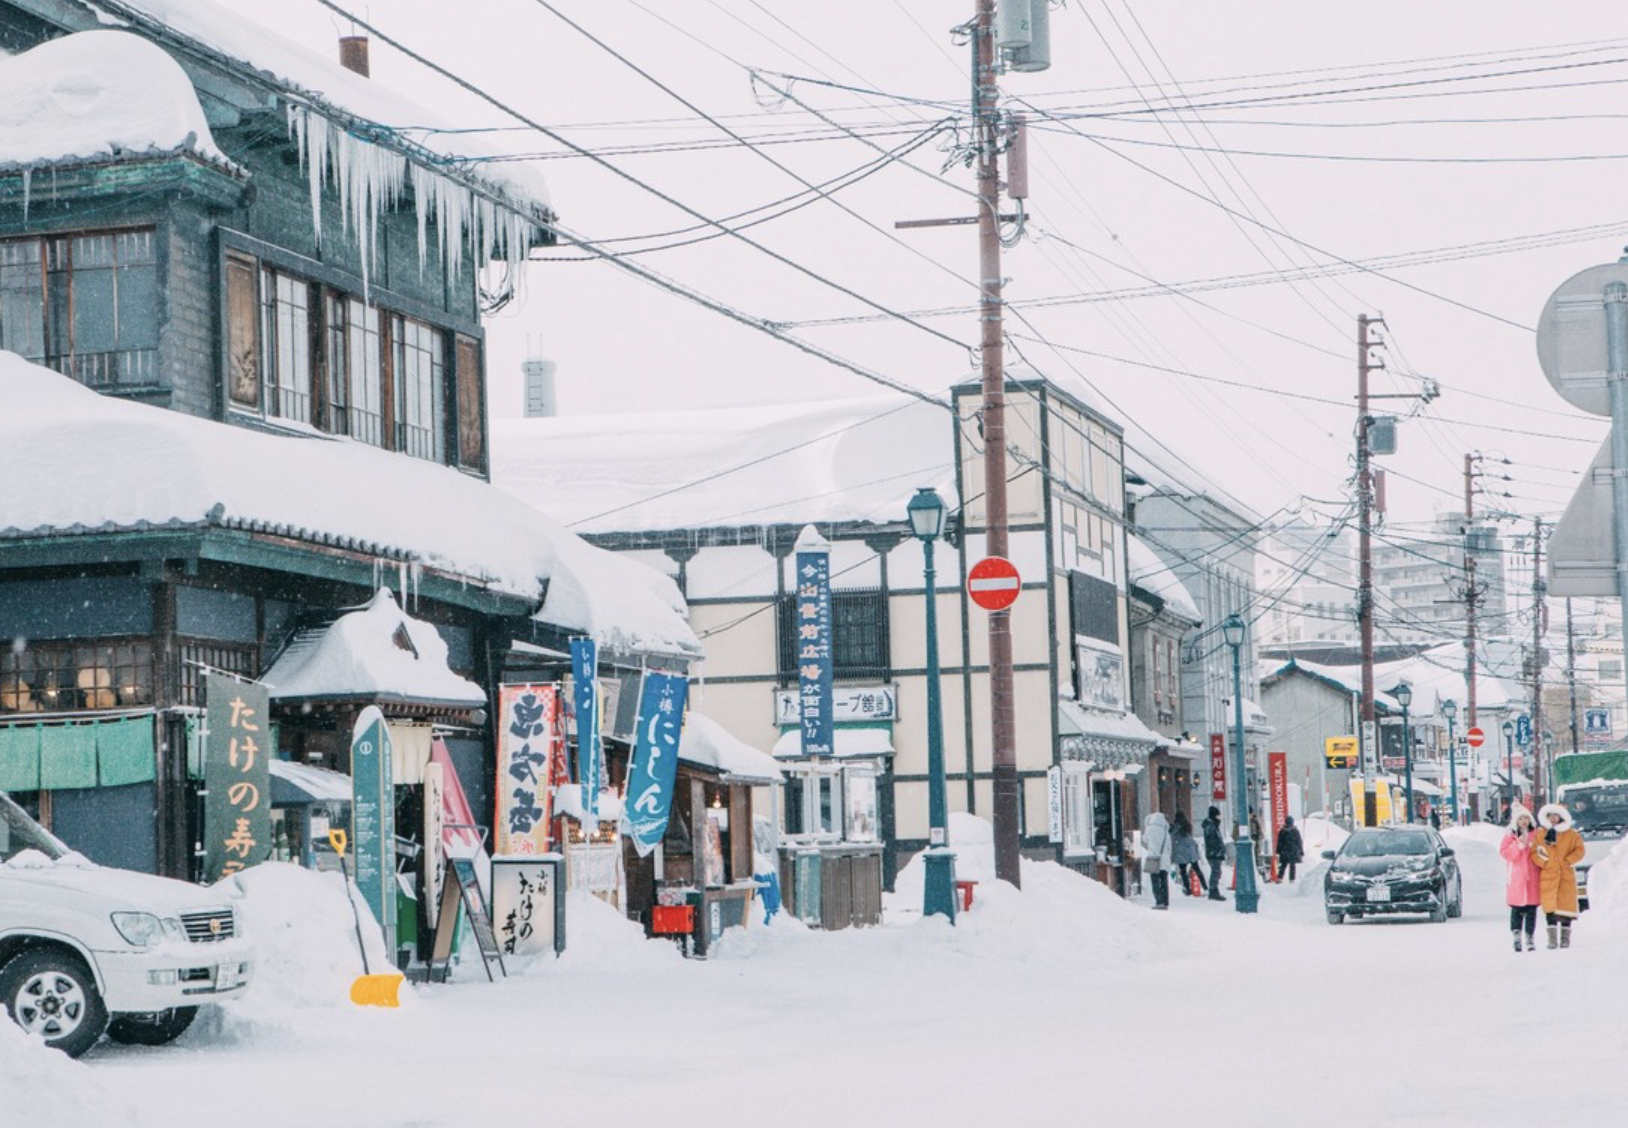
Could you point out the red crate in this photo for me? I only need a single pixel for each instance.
(672, 920)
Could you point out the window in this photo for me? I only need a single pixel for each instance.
(87, 305)
(242, 333)
(52, 677)
(418, 368)
(364, 365)
(336, 390)
(287, 318)
(471, 400)
(859, 649)
(192, 659)
(1078, 823)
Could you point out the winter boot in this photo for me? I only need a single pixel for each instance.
(1530, 947)
(1554, 937)
(1565, 934)
(1517, 935)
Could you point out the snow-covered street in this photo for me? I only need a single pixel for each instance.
(1061, 1001)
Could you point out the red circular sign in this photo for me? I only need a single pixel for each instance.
(993, 583)
(1475, 738)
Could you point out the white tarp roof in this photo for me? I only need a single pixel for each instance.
(833, 461)
(707, 744)
(76, 461)
(95, 96)
(358, 655)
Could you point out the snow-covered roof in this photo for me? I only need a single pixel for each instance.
(707, 744)
(74, 461)
(1149, 572)
(320, 784)
(848, 460)
(846, 741)
(1436, 675)
(96, 96)
(376, 653)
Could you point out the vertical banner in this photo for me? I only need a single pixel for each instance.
(528, 727)
(433, 860)
(237, 776)
(585, 697)
(813, 642)
(1277, 781)
(1218, 767)
(651, 775)
(373, 819)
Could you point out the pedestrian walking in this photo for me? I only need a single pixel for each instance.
(1156, 851)
(1557, 848)
(1523, 891)
(1184, 852)
(1215, 850)
(1435, 819)
(1290, 848)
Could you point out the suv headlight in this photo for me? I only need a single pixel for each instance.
(145, 930)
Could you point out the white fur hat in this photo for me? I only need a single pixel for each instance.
(1519, 809)
(1553, 809)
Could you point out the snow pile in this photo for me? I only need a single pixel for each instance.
(35, 1082)
(98, 95)
(174, 470)
(1608, 893)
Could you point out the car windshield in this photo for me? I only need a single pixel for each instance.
(1602, 809)
(18, 832)
(1384, 843)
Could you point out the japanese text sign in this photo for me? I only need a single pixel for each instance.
(528, 728)
(237, 774)
(1218, 767)
(585, 698)
(1277, 775)
(527, 912)
(811, 640)
(654, 769)
(373, 818)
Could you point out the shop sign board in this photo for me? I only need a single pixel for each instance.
(1054, 804)
(373, 819)
(1523, 730)
(1340, 751)
(1218, 767)
(1277, 780)
(585, 697)
(815, 630)
(528, 905)
(460, 885)
(528, 726)
(1370, 745)
(237, 775)
(1597, 726)
(654, 770)
(848, 703)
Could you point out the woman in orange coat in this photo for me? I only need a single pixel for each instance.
(1556, 849)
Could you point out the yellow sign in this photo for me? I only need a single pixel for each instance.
(1384, 813)
(1340, 751)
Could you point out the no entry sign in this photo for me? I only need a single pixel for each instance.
(993, 583)
(1475, 738)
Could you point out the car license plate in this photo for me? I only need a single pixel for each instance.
(226, 977)
(1379, 892)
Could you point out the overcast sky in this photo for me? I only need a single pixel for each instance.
(1360, 134)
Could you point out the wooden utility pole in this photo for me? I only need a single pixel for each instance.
(1540, 612)
(1369, 736)
(1472, 594)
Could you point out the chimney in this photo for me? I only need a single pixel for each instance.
(353, 53)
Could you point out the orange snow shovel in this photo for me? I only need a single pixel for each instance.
(369, 990)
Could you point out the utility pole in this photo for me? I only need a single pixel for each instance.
(1540, 777)
(987, 127)
(1369, 736)
(1472, 594)
(1571, 672)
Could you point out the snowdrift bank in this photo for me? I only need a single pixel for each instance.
(1608, 893)
(34, 1081)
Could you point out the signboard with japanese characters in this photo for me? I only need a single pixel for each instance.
(528, 907)
(373, 818)
(1597, 726)
(848, 703)
(654, 770)
(1218, 767)
(1277, 775)
(528, 727)
(585, 698)
(237, 776)
(812, 641)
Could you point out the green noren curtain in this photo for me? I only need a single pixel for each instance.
(19, 758)
(67, 757)
(125, 752)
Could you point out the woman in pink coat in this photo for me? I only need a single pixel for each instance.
(1524, 889)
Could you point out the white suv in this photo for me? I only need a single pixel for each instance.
(87, 948)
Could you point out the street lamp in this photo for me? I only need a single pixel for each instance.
(1449, 709)
(1509, 766)
(1403, 693)
(1245, 898)
(926, 513)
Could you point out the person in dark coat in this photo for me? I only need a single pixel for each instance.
(1215, 850)
(1184, 852)
(1290, 849)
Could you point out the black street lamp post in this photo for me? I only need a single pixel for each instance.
(926, 511)
(1403, 693)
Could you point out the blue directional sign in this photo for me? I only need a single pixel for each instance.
(1523, 730)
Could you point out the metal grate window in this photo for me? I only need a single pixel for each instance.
(859, 650)
(51, 677)
(194, 658)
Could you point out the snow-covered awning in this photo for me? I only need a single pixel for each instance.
(847, 742)
(294, 784)
(707, 744)
(376, 653)
(135, 467)
(99, 96)
(1108, 738)
(568, 802)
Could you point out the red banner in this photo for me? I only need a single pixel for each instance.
(1218, 767)
(1277, 770)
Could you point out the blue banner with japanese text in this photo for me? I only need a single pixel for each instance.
(651, 776)
(373, 818)
(813, 643)
(585, 698)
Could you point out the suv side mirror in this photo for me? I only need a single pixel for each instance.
(1329, 854)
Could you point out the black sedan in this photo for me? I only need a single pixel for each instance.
(1393, 869)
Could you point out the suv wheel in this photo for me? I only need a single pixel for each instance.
(151, 1029)
(52, 995)
(1335, 917)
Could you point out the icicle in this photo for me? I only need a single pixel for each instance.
(28, 176)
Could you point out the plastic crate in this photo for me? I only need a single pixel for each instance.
(672, 920)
